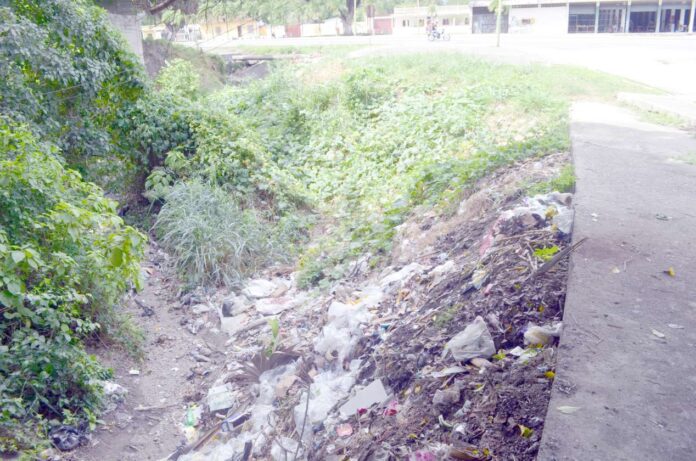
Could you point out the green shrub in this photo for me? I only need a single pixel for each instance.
(179, 78)
(66, 258)
(66, 74)
(212, 239)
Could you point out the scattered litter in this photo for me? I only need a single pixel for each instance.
(543, 335)
(567, 410)
(374, 393)
(261, 288)
(447, 397)
(199, 309)
(658, 334)
(481, 363)
(285, 448)
(615, 270)
(274, 306)
(423, 455)
(233, 305)
(448, 372)
(114, 391)
(133, 372)
(66, 438)
(392, 408)
(402, 275)
(467, 452)
(344, 430)
(675, 326)
(670, 271)
(474, 341)
(662, 217)
(220, 398)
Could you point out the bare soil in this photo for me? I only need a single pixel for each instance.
(147, 425)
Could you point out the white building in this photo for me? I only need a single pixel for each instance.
(553, 17)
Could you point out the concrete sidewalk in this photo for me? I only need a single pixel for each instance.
(627, 359)
(681, 106)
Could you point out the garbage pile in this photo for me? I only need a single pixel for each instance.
(450, 356)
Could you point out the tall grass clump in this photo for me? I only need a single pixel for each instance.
(212, 239)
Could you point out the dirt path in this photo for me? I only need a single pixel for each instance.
(147, 425)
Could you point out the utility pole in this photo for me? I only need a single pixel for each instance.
(355, 7)
(499, 13)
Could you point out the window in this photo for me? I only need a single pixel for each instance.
(250, 29)
(404, 23)
(445, 21)
(421, 22)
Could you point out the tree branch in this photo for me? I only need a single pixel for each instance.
(164, 5)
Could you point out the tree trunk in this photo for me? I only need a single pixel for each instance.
(348, 16)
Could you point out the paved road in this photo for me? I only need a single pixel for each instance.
(634, 389)
(666, 61)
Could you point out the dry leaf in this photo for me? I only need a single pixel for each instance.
(658, 334)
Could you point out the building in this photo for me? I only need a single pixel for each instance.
(412, 20)
(552, 17)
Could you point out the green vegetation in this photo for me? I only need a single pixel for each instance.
(564, 182)
(66, 258)
(209, 68)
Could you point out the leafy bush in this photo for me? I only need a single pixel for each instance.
(212, 239)
(65, 260)
(66, 74)
(179, 78)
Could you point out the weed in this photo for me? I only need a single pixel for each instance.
(212, 238)
(564, 182)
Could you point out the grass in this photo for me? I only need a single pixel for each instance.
(662, 118)
(563, 182)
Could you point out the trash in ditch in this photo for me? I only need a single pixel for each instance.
(448, 372)
(66, 438)
(365, 398)
(474, 341)
(423, 455)
(392, 408)
(220, 398)
(344, 430)
(536, 334)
